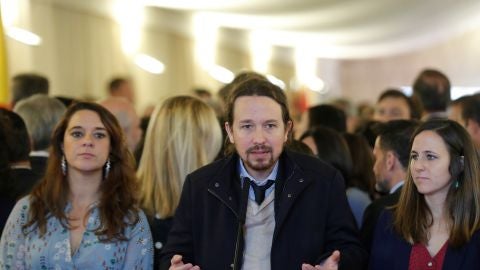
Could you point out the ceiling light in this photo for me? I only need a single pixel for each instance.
(221, 74)
(316, 84)
(24, 36)
(149, 64)
(276, 81)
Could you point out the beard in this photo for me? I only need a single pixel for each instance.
(260, 164)
(382, 186)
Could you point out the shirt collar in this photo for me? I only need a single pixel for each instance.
(40, 153)
(244, 173)
(396, 186)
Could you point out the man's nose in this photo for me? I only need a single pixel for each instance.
(259, 135)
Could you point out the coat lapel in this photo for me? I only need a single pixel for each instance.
(289, 185)
(225, 185)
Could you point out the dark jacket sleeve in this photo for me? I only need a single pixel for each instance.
(341, 231)
(370, 217)
(180, 239)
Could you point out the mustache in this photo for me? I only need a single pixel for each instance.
(259, 147)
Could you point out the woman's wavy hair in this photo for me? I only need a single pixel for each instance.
(413, 217)
(182, 136)
(118, 205)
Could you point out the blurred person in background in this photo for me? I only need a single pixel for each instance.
(466, 112)
(41, 114)
(121, 87)
(28, 84)
(431, 91)
(322, 115)
(127, 118)
(183, 135)
(331, 147)
(393, 105)
(21, 178)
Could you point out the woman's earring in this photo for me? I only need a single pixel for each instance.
(456, 184)
(63, 164)
(107, 168)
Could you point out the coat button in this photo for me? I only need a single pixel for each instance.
(300, 180)
(289, 195)
(158, 245)
(229, 198)
(217, 184)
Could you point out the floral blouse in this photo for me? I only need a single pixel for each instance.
(52, 251)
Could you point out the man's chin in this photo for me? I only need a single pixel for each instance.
(260, 165)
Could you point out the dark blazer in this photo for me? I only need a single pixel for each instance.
(13, 186)
(159, 229)
(371, 214)
(39, 164)
(390, 251)
(312, 216)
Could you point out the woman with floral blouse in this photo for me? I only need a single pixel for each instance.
(84, 213)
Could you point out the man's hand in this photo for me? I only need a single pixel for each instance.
(331, 263)
(176, 263)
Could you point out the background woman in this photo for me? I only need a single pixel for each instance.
(83, 214)
(435, 224)
(331, 147)
(183, 135)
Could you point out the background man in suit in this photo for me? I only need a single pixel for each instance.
(41, 114)
(431, 91)
(301, 218)
(468, 115)
(20, 178)
(392, 154)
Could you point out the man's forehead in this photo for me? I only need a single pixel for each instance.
(253, 105)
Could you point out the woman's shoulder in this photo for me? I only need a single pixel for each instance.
(22, 205)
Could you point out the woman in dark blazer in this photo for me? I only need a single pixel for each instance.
(436, 223)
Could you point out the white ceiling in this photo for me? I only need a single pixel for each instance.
(343, 29)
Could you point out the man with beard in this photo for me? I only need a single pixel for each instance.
(263, 207)
(392, 155)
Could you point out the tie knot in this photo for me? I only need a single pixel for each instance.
(259, 191)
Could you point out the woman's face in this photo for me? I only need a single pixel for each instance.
(429, 164)
(86, 143)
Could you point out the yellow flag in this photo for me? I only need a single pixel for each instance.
(3, 67)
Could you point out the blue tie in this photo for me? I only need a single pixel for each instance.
(259, 191)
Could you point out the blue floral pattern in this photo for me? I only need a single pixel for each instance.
(27, 250)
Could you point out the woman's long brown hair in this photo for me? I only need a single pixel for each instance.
(118, 206)
(413, 217)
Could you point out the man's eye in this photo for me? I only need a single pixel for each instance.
(246, 126)
(270, 125)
